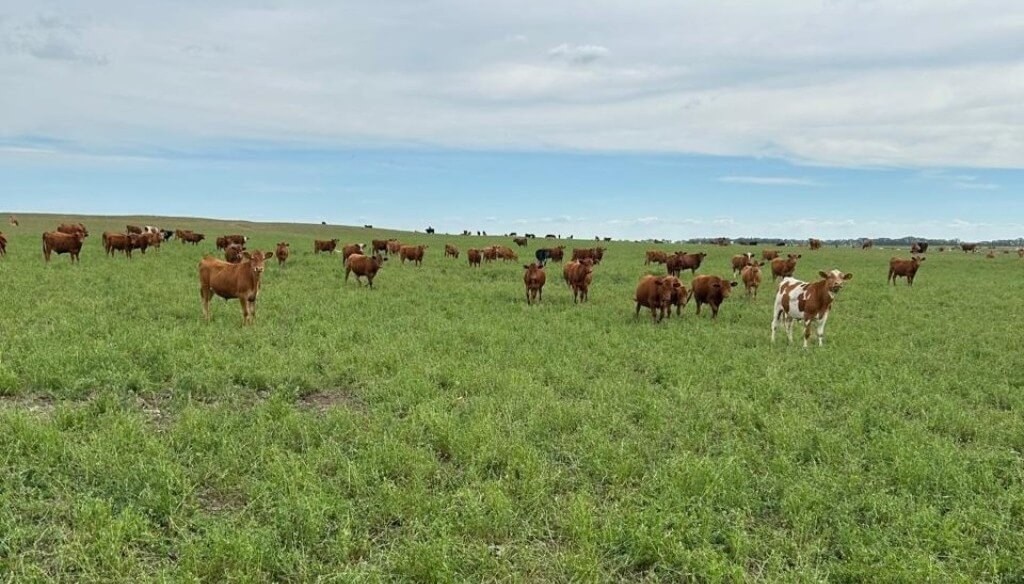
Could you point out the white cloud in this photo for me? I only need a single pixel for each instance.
(579, 54)
(770, 181)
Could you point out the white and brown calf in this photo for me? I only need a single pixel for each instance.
(807, 302)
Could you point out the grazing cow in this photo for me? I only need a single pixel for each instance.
(193, 237)
(542, 255)
(379, 246)
(474, 256)
(751, 276)
(367, 226)
(506, 254)
(681, 260)
(969, 247)
(233, 253)
(324, 245)
(711, 290)
(180, 234)
(991, 255)
(282, 252)
(364, 266)
(534, 279)
(919, 247)
(490, 253)
(3, 245)
(900, 268)
(520, 241)
(867, 244)
(72, 228)
(769, 254)
(784, 268)
(656, 293)
(227, 280)
(741, 261)
(451, 251)
(394, 246)
(133, 229)
(413, 253)
(807, 302)
(814, 243)
(655, 257)
(69, 243)
(113, 242)
(556, 254)
(13, 221)
(578, 275)
(351, 249)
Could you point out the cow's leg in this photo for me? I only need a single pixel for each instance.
(205, 294)
(714, 311)
(790, 321)
(807, 331)
(775, 323)
(821, 329)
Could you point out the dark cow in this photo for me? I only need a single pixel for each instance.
(867, 244)
(578, 275)
(681, 260)
(227, 280)
(900, 268)
(711, 290)
(919, 247)
(474, 256)
(364, 266)
(233, 253)
(969, 247)
(143, 241)
(814, 243)
(810, 303)
(784, 268)
(3, 245)
(534, 279)
(413, 253)
(191, 237)
(430, 230)
(520, 241)
(324, 245)
(655, 292)
(69, 243)
(282, 252)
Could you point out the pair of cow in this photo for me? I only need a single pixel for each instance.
(128, 242)
(68, 238)
(578, 275)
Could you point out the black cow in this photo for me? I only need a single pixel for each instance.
(542, 255)
(167, 233)
(430, 230)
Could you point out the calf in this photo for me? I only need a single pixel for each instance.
(114, 242)
(281, 253)
(751, 276)
(233, 253)
(679, 295)
(69, 243)
(655, 257)
(656, 293)
(810, 303)
(413, 253)
(711, 290)
(784, 268)
(578, 275)
(451, 251)
(534, 279)
(352, 249)
(324, 245)
(741, 261)
(227, 280)
(506, 254)
(769, 254)
(364, 266)
(900, 268)
(474, 256)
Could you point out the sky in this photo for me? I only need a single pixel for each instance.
(653, 118)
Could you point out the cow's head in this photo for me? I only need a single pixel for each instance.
(835, 279)
(917, 260)
(256, 260)
(794, 256)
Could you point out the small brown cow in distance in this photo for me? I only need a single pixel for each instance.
(814, 243)
(656, 293)
(969, 247)
(901, 268)
(394, 246)
(282, 252)
(191, 237)
(72, 228)
(69, 243)
(227, 280)
(711, 290)
(867, 244)
(769, 254)
(534, 279)
(520, 241)
(751, 276)
(13, 221)
(741, 261)
(474, 256)
(364, 266)
(379, 246)
(593, 253)
(413, 253)
(114, 242)
(133, 229)
(450, 251)
(784, 268)
(325, 245)
(655, 257)
(352, 249)
(578, 275)
(142, 241)
(681, 260)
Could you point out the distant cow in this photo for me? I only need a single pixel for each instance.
(680, 261)
(450, 251)
(352, 249)
(655, 292)
(578, 275)
(814, 243)
(191, 237)
(741, 261)
(506, 253)
(711, 290)
(72, 228)
(430, 230)
(367, 226)
(969, 247)
(655, 257)
(227, 280)
(413, 253)
(1020, 252)
(233, 253)
(769, 254)
(520, 241)
(364, 266)
(991, 255)
(784, 268)
(751, 276)
(142, 241)
(324, 245)
(534, 278)
(133, 229)
(919, 247)
(13, 221)
(180, 234)
(807, 302)
(114, 242)
(900, 268)
(282, 252)
(490, 253)
(594, 253)
(69, 243)
(379, 246)
(394, 246)
(556, 254)
(867, 244)
(474, 256)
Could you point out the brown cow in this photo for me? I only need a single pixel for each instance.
(180, 234)
(520, 241)
(414, 253)
(991, 255)
(578, 275)
(784, 268)
(1020, 252)
(556, 254)
(490, 253)
(506, 254)
(233, 253)
(769, 254)
(282, 252)
(900, 268)
(809, 302)
(141, 241)
(814, 243)
(680, 296)
(227, 280)
(751, 276)
(236, 239)
(394, 246)
(867, 244)
(192, 237)
(3, 244)
(655, 257)
(379, 246)
(133, 229)
(364, 266)
(451, 251)
(474, 256)
(534, 279)
(655, 292)
(325, 245)
(681, 260)
(69, 243)
(72, 228)
(352, 249)
(711, 290)
(969, 247)
(13, 221)
(741, 261)
(222, 242)
(594, 253)
(113, 242)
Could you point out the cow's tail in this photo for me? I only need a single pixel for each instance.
(689, 296)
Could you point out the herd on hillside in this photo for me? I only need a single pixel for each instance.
(239, 274)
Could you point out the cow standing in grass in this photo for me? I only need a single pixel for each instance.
(656, 293)
(281, 253)
(364, 266)
(69, 243)
(227, 280)
(900, 268)
(807, 302)
(534, 279)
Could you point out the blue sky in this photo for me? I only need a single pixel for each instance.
(669, 120)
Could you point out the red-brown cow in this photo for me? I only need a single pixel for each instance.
(72, 228)
(593, 253)
(3, 245)
(379, 246)
(352, 249)
(413, 253)
(474, 256)
(227, 280)
(751, 276)
(394, 246)
(900, 268)
(282, 252)
(741, 261)
(506, 254)
(141, 242)
(233, 253)
(450, 251)
(681, 260)
(324, 245)
(69, 243)
(814, 243)
(656, 292)
(810, 303)
(534, 279)
(769, 254)
(191, 237)
(578, 275)
(520, 241)
(711, 290)
(364, 266)
(784, 268)
(114, 242)
(655, 257)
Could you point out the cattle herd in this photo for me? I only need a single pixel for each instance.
(239, 274)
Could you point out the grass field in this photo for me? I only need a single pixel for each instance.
(437, 428)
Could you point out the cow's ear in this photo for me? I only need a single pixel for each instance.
(734, 284)
(267, 255)
(847, 276)
(823, 274)
(526, 267)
